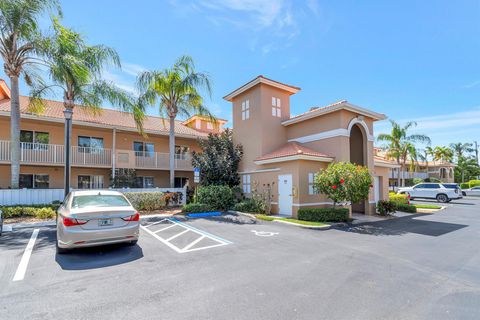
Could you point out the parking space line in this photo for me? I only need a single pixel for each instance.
(188, 246)
(170, 226)
(177, 235)
(174, 222)
(22, 267)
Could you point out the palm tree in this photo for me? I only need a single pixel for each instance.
(18, 36)
(75, 69)
(425, 156)
(443, 154)
(461, 149)
(177, 92)
(400, 144)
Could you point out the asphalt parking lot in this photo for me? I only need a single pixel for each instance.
(231, 267)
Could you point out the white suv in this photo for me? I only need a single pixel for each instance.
(431, 191)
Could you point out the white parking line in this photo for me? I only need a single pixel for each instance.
(186, 228)
(22, 267)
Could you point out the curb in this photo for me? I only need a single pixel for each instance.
(20, 225)
(243, 214)
(304, 225)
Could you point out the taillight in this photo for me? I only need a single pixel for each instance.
(70, 222)
(135, 217)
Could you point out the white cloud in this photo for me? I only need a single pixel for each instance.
(119, 80)
(133, 69)
(443, 129)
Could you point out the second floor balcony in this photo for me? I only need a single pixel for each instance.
(53, 154)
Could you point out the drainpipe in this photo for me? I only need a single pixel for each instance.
(114, 152)
(68, 131)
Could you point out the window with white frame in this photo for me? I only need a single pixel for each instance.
(246, 110)
(246, 183)
(209, 126)
(311, 184)
(276, 107)
(90, 182)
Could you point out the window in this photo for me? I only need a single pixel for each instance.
(90, 182)
(276, 107)
(181, 182)
(34, 181)
(209, 126)
(311, 184)
(246, 183)
(198, 124)
(246, 110)
(90, 144)
(33, 139)
(99, 201)
(181, 152)
(144, 182)
(143, 149)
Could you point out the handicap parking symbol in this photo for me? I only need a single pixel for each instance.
(264, 233)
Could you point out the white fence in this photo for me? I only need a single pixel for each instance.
(46, 196)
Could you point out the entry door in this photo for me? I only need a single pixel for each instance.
(285, 198)
(377, 188)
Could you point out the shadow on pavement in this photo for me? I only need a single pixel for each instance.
(438, 203)
(98, 257)
(403, 225)
(18, 239)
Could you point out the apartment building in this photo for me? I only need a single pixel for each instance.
(104, 146)
(283, 152)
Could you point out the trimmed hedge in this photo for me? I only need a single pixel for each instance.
(399, 199)
(46, 212)
(146, 201)
(323, 214)
(406, 208)
(464, 185)
(217, 197)
(195, 208)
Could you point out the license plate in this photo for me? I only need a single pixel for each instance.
(105, 222)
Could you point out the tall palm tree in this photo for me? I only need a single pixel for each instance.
(425, 155)
(177, 92)
(75, 69)
(443, 154)
(461, 149)
(19, 32)
(400, 144)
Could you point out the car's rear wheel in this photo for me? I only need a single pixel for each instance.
(442, 198)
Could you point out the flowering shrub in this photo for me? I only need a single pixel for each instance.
(344, 181)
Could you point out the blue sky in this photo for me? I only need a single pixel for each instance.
(412, 60)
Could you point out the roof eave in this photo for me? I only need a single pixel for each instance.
(258, 80)
(293, 158)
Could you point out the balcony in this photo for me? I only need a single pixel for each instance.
(409, 175)
(52, 154)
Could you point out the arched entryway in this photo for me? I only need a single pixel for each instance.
(358, 155)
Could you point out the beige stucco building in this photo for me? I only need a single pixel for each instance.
(283, 152)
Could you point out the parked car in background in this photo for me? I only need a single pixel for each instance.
(94, 218)
(432, 191)
(475, 191)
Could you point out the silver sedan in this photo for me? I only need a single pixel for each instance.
(94, 218)
(475, 191)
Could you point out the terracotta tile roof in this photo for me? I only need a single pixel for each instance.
(107, 117)
(317, 108)
(292, 149)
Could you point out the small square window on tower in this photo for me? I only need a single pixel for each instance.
(245, 110)
(276, 107)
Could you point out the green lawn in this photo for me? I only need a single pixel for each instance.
(305, 223)
(427, 206)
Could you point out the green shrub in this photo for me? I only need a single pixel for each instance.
(474, 183)
(46, 212)
(323, 214)
(417, 181)
(146, 201)
(465, 185)
(406, 208)
(385, 207)
(250, 205)
(217, 197)
(196, 207)
(399, 198)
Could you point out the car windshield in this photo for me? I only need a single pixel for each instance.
(98, 200)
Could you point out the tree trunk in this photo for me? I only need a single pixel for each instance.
(14, 133)
(172, 151)
(398, 174)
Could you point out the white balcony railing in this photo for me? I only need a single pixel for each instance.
(410, 175)
(39, 153)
